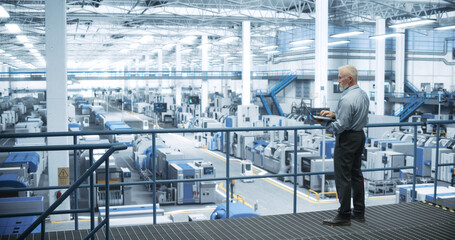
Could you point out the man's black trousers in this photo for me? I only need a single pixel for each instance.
(347, 162)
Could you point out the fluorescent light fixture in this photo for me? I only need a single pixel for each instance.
(231, 58)
(188, 40)
(13, 57)
(7, 54)
(204, 45)
(413, 23)
(28, 45)
(272, 52)
(229, 39)
(338, 42)
(133, 45)
(300, 42)
(22, 38)
(2, 51)
(268, 47)
(299, 48)
(146, 39)
(188, 50)
(168, 46)
(224, 55)
(445, 28)
(32, 50)
(3, 13)
(346, 34)
(382, 36)
(13, 28)
(124, 50)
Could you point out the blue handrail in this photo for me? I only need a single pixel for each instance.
(264, 102)
(277, 104)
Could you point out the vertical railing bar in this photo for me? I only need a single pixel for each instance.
(154, 175)
(295, 171)
(107, 172)
(436, 163)
(43, 229)
(92, 195)
(228, 143)
(415, 166)
(76, 202)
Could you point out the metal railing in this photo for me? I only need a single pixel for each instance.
(227, 179)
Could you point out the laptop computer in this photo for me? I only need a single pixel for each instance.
(317, 117)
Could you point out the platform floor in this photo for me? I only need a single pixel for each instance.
(399, 221)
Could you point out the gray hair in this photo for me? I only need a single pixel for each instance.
(350, 70)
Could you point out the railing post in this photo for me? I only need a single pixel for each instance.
(436, 166)
(76, 202)
(415, 166)
(228, 143)
(154, 175)
(43, 229)
(92, 195)
(295, 171)
(106, 164)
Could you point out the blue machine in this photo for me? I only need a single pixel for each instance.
(423, 161)
(74, 126)
(258, 153)
(236, 210)
(17, 225)
(329, 148)
(212, 143)
(11, 181)
(31, 159)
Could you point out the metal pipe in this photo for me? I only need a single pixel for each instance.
(436, 163)
(107, 197)
(228, 143)
(154, 175)
(295, 171)
(76, 199)
(414, 168)
(92, 194)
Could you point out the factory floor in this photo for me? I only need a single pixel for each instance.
(269, 196)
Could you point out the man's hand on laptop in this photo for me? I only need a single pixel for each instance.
(326, 113)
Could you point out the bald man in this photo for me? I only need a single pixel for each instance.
(351, 117)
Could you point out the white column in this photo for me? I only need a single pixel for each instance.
(400, 52)
(57, 120)
(246, 62)
(147, 63)
(380, 67)
(178, 67)
(205, 53)
(160, 60)
(225, 81)
(205, 67)
(321, 52)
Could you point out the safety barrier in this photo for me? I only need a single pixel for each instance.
(154, 181)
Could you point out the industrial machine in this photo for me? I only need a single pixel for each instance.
(193, 192)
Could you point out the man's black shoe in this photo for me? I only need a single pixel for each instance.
(358, 217)
(338, 221)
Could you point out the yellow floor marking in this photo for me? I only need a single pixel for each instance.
(222, 188)
(189, 212)
(86, 220)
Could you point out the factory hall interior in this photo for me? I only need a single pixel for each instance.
(227, 119)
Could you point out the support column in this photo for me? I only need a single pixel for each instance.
(178, 68)
(205, 67)
(225, 81)
(400, 54)
(321, 53)
(246, 63)
(380, 67)
(57, 120)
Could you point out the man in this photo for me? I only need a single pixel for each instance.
(350, 116)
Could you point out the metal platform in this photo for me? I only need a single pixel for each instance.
(400, 221)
